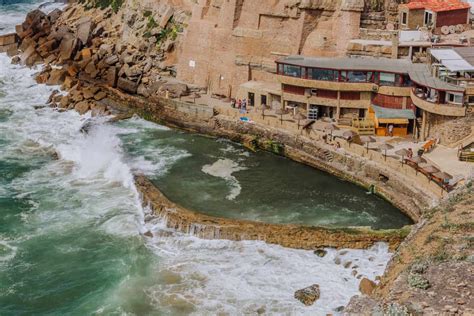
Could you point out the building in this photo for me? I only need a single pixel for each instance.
(433, 14)
(384, 91)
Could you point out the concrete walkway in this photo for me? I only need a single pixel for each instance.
(447, 160)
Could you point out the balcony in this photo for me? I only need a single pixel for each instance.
(437, 108)
(328, 85)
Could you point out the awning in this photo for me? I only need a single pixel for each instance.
(451, 59)
(393, 121)
(391, 114)
(457, 65)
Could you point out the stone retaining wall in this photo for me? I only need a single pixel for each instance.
(293, 236)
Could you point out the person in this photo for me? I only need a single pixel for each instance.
(410, 153)
(390, 130)
(232, 103)
(239, 104)
(338, 145)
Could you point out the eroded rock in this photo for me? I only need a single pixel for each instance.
(308, 295)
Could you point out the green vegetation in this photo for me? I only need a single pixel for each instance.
(103, 4)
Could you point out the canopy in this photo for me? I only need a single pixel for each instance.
(451, 60)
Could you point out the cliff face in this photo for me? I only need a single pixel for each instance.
(224, 43)
(230, 42)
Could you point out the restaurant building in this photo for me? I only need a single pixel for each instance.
(365, 91)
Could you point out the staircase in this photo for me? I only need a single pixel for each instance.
(326, 155)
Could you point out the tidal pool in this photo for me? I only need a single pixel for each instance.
(220, 178)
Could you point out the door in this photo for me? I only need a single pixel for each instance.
(263, 100)
(251, 98)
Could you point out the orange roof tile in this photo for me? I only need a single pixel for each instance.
(436, 5)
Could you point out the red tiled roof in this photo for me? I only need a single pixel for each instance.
(436, 5)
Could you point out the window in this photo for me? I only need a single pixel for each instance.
(292, 71)
(471, 99)
(404, 18)
(280, 69)
(454, 98)
(321, 74)
(387, 79)
(356, 76)
(428, 20)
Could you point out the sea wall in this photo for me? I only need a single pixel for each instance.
(286, 235)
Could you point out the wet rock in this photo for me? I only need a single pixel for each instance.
(98, 110)
(64, 103)
(347, 264)
(56, 77)
(366, 286)
(337, 260)
(320, 252)
(308, 295)
(16, 60)
(261, 310)
(148, 234)
(29, 56)
(51, 96)
(339, 309)
(82, 107)
(33, 21)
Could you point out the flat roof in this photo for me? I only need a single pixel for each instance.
(270, 87)
(353, 63)
(455, 59)
(425, 78)
(386, 113)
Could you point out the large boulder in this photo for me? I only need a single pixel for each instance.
(308, 295)
(127, 85)
(54, 15)
(29, 57)
(56, 77)
(84, 29)
(175, 90)
(33, 21)
(68, 48)
(82, 107)
(366, 286)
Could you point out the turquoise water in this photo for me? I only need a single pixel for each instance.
(71, 229)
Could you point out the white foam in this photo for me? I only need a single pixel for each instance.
(224, 168)
(240, 277)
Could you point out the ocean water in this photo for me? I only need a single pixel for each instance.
(71, 228)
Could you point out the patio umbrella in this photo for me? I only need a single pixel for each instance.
(402, 152)
(349, 134)
(331, 127)
(385, 147)
(280, 112)
(299, 116)
(367, 140)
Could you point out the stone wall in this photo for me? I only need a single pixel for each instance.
(293, 236)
